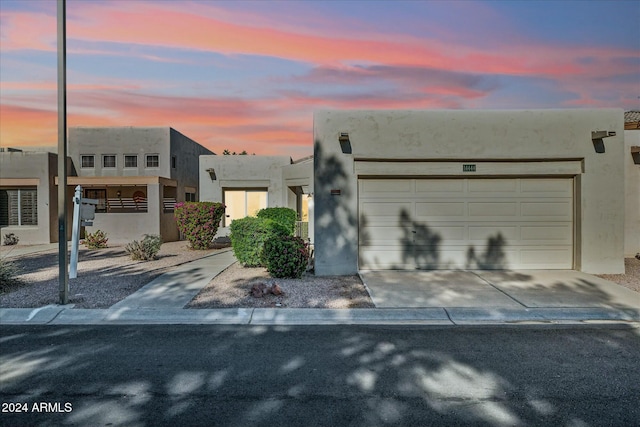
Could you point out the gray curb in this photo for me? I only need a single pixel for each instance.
(66, 315)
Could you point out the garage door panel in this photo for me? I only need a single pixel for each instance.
(439, 209)
(482, 233)
(494, 210)
(387, 189)
(497, 187)
(546, 234)
(457, 222)
(441, 232)
(440, 187)
(387, 208)
(545, 257)
(384, 236)
(549, 187)
(546, 210)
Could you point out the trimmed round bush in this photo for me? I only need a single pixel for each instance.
(248, 236)
(284, 216)
(199, 221)
(286, 256)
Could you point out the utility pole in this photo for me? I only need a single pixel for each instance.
(63, 277)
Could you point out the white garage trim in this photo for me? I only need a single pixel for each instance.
(484, 168)
(466, 223)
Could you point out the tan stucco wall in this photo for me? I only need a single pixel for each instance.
(461, 136)
(123, 228)
(32, 169)
(242, 172)
(632, 195)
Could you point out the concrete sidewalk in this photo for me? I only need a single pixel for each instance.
(20, 250)
(177, 288)
(402, 298)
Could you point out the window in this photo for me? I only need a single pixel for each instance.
(130, 161)
(304, 207)
(153, 161)
(242, 203)
(19, 207)
(109, 161)
(174, 161)
(100, 194)
(88, 161)
(189, 197)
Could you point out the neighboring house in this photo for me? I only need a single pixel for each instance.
(535, 189)
(137, 174)
(632, 182)
(246, 184)
(28, 196)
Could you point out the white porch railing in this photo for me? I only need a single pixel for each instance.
(302, 229)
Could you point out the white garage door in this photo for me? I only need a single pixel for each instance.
(466, 223)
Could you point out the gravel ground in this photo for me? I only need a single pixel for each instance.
(106, 276)
(232, 288)
(631, 278)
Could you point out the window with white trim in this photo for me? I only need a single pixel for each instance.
(243, 203)
(109, 161)
(152, 161)
(130, 161)
(19, 207)
(88, 161)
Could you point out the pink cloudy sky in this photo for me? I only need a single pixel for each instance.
(248, 75)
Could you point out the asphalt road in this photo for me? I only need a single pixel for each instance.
(318, 376)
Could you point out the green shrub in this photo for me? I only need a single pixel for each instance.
(248, 236)
(97, 240)
(284, 216)
(286, 256)
(199, 221)
(145, 250)
(8, 273)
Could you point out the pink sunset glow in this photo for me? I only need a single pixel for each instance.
(248, 77)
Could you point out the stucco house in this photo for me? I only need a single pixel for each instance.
(246, 184)
(28, 196)
(543, 189)
(136, 173)
(530, 189)
(632, 182)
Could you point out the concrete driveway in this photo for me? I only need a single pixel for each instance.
(496, 289)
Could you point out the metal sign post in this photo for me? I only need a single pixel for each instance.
(75, 233)
(83, 213)
(63, 272)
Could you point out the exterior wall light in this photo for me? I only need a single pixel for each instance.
(597, 137)
(212, 174)
(345, 143)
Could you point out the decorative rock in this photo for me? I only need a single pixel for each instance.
(258, 290)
